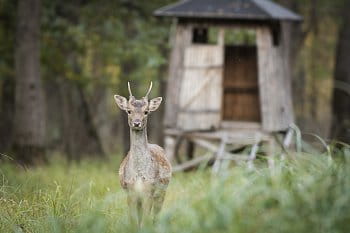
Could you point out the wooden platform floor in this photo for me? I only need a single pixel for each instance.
(238, 133)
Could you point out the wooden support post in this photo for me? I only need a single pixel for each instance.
(190, 148)
(271, 153)
(287, 141)
(192, 163)
(253, 152)
(221, 37)
(288, 138)
(169, 145)
(213, 148)
(220, 154)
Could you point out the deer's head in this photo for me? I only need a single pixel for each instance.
(138, 110)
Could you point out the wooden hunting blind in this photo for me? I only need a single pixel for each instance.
(229, 71)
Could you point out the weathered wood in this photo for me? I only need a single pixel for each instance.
(203, 56)
(239, 125)
(253, 152)
(192, 72)
(193, 162)
(224, 23)
(271, 153)
(242, 136)
(203, 143)
(169, 147)
(214, 148)
(201, 88)
(274, 82)
(207, 157)
(287, 141)
(288, 138)
(195, 84)
(220, 154)
(182, 38)
(200, 92)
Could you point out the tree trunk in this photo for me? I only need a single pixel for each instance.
(7, 80)
(29, 128)
(341, 91)
(6, 113)
(126, 67)
(125, 131)
(297, 37)
(156, 124)
(80, 136)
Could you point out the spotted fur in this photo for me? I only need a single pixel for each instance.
(145, 172)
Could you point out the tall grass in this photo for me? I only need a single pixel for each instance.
(309, 193)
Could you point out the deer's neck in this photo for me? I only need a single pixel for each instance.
(139, 151)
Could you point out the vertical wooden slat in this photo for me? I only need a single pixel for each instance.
(183, 37)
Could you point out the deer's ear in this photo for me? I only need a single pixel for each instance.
(121, 101)
(154, 104)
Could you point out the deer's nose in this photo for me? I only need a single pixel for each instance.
(137, 123)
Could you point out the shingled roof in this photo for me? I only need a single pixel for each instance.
(228, 9)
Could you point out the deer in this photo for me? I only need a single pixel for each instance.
(145, 172)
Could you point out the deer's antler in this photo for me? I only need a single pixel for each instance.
(149, 90)
(130, 93)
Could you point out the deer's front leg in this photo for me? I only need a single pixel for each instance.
(147, 202)
(133, 209)
(158, 199)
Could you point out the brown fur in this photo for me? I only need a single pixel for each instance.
(159, 157)
(145, 172)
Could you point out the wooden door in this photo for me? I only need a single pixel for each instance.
(201, 88)
(241, 92)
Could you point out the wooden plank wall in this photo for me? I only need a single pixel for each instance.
(182, 38)
(201, 89)
(274, 82)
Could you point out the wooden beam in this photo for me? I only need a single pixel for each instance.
(192, 162)
(253, 152)
(220, 154)
(288, 138)
(213, 148)
(207, 157)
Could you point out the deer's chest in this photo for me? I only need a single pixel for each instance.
(140, 169)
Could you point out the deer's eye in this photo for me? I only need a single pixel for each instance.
(146, 112)
(129, 112)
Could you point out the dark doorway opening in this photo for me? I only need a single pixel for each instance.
(241, 89)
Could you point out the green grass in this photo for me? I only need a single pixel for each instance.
(308, 194)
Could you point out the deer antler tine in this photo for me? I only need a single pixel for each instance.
(130, 93)
(149, 90)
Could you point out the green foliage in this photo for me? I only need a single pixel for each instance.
(310, 193)
(103, 42)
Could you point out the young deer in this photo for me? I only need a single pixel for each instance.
(145, 172)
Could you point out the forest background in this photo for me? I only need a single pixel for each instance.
(77, 54)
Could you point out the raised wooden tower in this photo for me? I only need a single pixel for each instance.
(229, 72)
